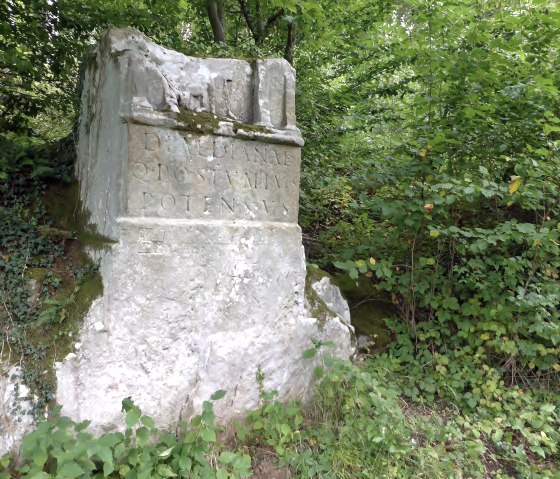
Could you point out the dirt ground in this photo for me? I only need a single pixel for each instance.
(266, 466)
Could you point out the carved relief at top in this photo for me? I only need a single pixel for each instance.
(155, 79)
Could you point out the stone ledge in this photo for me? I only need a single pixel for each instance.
(218, 126)
(150, 220)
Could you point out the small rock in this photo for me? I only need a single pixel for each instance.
(34, 287)
(363, 341)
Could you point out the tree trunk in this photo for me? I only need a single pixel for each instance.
(290, 42)
(217, 17)
(253, 28)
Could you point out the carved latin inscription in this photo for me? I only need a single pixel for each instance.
(176, 174)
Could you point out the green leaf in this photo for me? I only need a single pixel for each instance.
(165, 471)
(185, 461)
(221, 473)
(497, 436)
(309, 353)
(40, 456)
(142, 436)
(285, 429)
(33, 475)
(227, 457)
(207, 435)
(548, 129)
(81, 426)
(70, 470)
(469, 112)
(110, 440)
(148, 422)
(218, 395)
(133, 416)
(42, 171)
(539, 450)
(106, 455)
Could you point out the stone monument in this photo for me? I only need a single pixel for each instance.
(191, 166)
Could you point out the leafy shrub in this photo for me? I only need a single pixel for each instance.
(60, 448)
(361, 425)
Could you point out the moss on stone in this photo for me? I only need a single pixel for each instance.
(368, 308)
(208, 123)
(67, 291)
(36, 273)
(53, 341)
(318, 308)
(65, 208)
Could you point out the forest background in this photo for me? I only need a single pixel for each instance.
(430, 177)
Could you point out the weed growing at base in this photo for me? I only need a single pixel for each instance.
(60, 448)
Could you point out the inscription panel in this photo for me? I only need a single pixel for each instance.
(177, 174)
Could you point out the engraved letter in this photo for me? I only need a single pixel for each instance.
(287, 158)
(148, 200)
(163, 172)
(151, 142)
(167, 202)
(139, 170)
(260, 155)
(212, 175)
(188, 201)
(230, 207)
(207, 203)
(242, 154)
(181, 174)
(229, 178)
(248, 177)
(275, 159)
(221, 148)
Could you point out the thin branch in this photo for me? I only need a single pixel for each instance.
(273, 21)
(248, 19)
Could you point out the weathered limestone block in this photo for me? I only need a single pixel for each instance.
(192, 167)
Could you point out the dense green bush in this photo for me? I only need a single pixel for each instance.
(60, 448)
(360, 426)
(456, 215)
(432, 168)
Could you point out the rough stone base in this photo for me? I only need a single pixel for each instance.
(164, 334)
